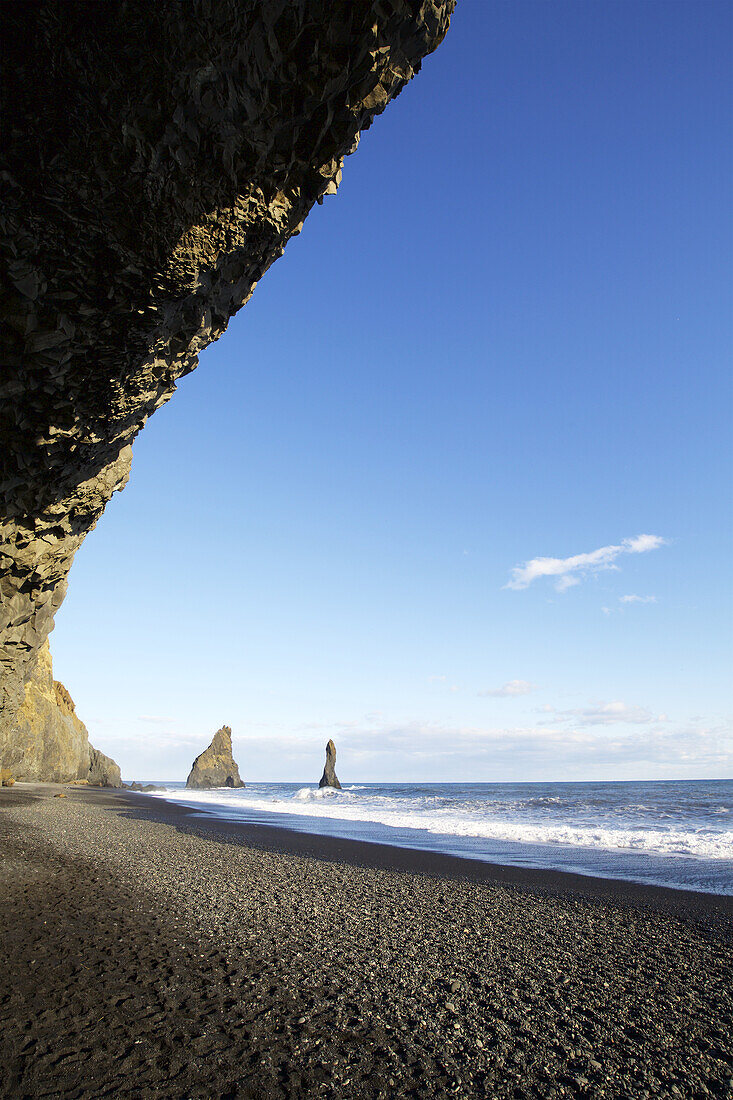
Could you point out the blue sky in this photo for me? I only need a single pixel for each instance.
(507, 339)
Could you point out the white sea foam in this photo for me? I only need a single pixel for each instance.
(581, 826)
(316, 794)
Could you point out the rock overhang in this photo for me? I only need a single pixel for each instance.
(156, 160)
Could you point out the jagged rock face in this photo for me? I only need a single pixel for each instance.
(216, 767)
(103, 772)
(50, 742)
(157, 159)
(328, 779)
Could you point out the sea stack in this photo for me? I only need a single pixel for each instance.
(216, 767)
(329, 779)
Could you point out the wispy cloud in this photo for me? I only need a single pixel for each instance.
(672, 748)
(604, 714)
(511, 687)
(570, 571)
(374, 746)
(626, 601)
(163, 739)
(155, 719)
(443, 680)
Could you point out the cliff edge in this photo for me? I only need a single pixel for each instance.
(50, 743)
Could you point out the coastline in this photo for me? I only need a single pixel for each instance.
(390, 857)
(155, 952)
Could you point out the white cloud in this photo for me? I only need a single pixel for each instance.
(670, 751)
(570, 571)
(638, 599)
(606, 714)
(155, 719)
(566, 582)
(511, 687)
(642, 543)
(375, 747)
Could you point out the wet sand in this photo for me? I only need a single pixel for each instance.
(152, 952)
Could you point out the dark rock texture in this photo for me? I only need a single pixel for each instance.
(215, 766)
(329, 779)
(157, 157)
(49, 742)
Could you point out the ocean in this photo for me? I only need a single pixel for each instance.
(676, 833)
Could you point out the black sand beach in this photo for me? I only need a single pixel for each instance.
(149, 952)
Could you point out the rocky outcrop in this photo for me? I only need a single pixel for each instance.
(50, 742)
(215, 767)
(157, 158)
(103, 772)
(329, 779)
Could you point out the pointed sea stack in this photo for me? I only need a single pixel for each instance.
(216, 767)
(328, 779)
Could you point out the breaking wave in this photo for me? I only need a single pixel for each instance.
(545, 819)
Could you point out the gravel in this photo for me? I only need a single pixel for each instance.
(149, 958)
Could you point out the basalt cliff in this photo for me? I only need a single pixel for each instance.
(156, 159)
(49, 741)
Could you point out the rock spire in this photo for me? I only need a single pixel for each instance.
(329, 777)
(215, 766)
